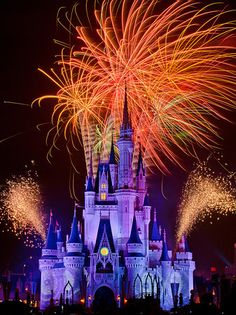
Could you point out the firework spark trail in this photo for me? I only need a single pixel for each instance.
(178, 69)
(203, 196)
(21, 210)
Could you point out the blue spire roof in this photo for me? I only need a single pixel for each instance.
(112, 159)
(140, 163)
(134, 237)
(155, 234)
(51, 241)
(89, 186)
(164, 254)
(59, 235)
(146, 202)
(74, 234)
(186, 245)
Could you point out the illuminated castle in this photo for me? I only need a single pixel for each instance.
(124, 253)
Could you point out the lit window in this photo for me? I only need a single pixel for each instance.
(104, 186)
(103, 196)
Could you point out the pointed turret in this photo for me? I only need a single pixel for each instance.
(59, 235)
(126, 128)
(134, 237)
(164, 254)
(89, 184)
(74, 234)
(146, 202)
(155, 235)
(140, 168)
(112, 159)
(51, 241)
(186, 245)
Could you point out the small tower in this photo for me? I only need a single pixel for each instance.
(155, 242)
(135, 261)
(74, 260)
(166, 268)
(46, 264)
(185, 267)
(113, 166)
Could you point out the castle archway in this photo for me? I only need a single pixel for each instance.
(104, 299)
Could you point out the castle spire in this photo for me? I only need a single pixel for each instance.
(164, 254)
(112, 159)
(155, 235)
(134, 237)
(126, 128)
(140, 163)
(51, 241)
(89, 186)
(74, 234)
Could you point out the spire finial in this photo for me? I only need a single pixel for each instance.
(164, 235)
(51, 215)
(155, 215)
(90, 174)
(75, 209)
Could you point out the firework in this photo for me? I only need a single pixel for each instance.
(21, 210)
(204, 195)
(174, 61)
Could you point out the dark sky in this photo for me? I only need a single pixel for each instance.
(28, 29)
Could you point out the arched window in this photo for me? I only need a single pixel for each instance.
(99, 268)
(138, 288)
(108, 268)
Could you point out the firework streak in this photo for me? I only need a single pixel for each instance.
(177, 64)
(21, 210)
(204, 195)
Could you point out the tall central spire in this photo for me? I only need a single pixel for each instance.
(126, 130)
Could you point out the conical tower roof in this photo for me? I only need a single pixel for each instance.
(74, 234)
(155, 234)
(112, 159)
(164, 253)
(51, 240)
(134, 237)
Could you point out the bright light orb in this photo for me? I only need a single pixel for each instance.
(104, 251)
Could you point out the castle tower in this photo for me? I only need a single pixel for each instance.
(135, 262)
(126, 147)
(74, 261)
(125, 195)
(46, 263)
(155, 242)
(166, 266)
(184, 266)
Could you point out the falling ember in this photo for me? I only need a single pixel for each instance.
(178, 66)
(204, 195)
(21, 210)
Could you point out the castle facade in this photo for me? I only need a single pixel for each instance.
(122, 253)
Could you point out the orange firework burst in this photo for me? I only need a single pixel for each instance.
(174, 61)
(21, 210)
(203, 195)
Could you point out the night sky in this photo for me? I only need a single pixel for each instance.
(28, 31)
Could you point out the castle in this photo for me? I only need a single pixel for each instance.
(124, 254)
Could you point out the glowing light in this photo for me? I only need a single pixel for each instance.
(21, 210)
(204, 194)
(178, 66)
(104, 251)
